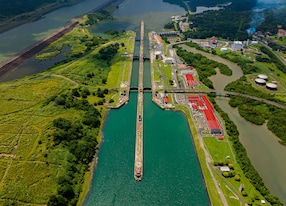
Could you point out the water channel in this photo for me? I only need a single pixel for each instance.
(171, 174)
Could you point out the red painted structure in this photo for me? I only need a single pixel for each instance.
(166, 99)
(190, 80)
(202, 104)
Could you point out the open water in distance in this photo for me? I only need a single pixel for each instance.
(15, 40)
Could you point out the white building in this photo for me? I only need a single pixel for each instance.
(237, 45)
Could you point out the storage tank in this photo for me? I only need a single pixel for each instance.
(263, 76)
(271, 86)
(260, 81)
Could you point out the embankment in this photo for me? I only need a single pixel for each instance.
(27, 53)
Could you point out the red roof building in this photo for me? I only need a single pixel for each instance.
(220, 137)
(281, 32)
(207, 103)
(213, 40)
(182, 66)
(166, 99)
(193, 98)
(159, 39)
(190, 80)
(213, 123)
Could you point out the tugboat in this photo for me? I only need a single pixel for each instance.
(138, 175)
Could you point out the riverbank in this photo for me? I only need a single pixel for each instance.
(18, 59)
(88, 177)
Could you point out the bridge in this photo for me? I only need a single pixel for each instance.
(225, 94)
(144, 89)
(135, 57)
(169, 33)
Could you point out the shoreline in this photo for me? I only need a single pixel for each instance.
(93, 166)
(13, 62)
(7, 26)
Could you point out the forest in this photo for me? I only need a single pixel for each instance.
(218, 23)
(78, 137)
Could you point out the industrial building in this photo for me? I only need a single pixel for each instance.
(262, 76)
(201, 103)
(271, 86)
(260, 82)
(190, 80)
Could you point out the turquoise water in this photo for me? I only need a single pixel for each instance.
(172, 173)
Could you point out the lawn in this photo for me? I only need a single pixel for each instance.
(219, 150)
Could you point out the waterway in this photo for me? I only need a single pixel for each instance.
(17, 39)
(172, 174)
(171, 170)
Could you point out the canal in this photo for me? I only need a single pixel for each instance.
(172, 174)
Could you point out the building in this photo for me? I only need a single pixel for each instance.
(158, 54)
(224, 169)
(223, 49)
(213, 40)
(262, 76)
(205, 44)
(167, 60)
(184, 26)
(281, 33)
(190, 80)
(271, 86)
(237, 45)
(202, 104)
(182, 66)
(260, 81)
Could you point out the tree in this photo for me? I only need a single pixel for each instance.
(237, 178)
(57, 200)
(62, 123)
(225, 174)
(85, 92)
(66, 190)
(75, 92)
